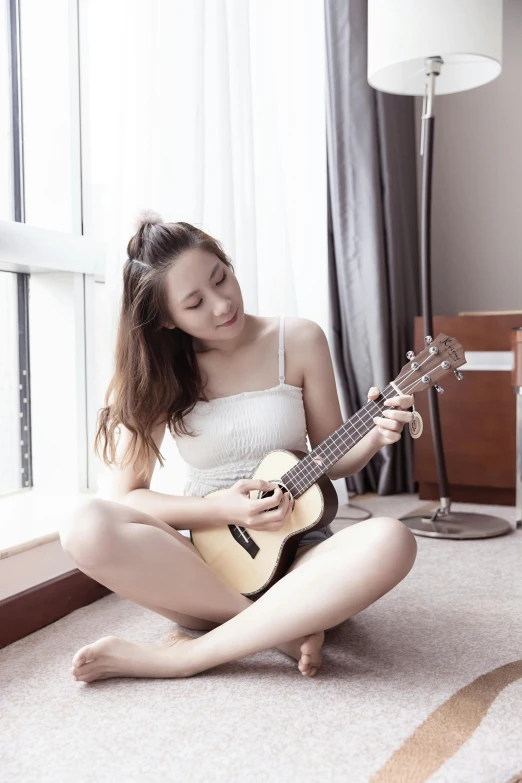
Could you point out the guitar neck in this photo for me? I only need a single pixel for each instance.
(319, 461)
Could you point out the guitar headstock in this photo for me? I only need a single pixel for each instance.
(440, 357)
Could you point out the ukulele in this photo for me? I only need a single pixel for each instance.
(250, 560)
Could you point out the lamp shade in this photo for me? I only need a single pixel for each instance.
(466, 34)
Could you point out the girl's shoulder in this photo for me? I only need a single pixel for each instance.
(300, 332)
(293, 324)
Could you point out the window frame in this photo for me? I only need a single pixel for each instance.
(24, 381)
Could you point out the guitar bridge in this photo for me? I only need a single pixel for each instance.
(240, 535)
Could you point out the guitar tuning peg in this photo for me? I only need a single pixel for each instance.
(410, 355)
(458, 375)
(439, 389)
(428, 340)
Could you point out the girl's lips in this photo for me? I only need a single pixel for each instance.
(232, 320)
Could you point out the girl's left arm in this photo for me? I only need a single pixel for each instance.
(323, 410)
(388, 430)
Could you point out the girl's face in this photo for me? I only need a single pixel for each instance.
(202, 295)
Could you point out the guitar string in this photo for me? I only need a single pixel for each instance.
(333, 446)
(304, 469)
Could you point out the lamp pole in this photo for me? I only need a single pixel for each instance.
(433, 69)
(442, 523)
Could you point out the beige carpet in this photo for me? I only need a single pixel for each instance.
(426, 684)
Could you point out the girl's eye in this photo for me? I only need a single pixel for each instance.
(198, 304)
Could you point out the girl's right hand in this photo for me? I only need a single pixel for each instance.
(237, 508)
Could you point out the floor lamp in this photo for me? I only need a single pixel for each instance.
(419, 47)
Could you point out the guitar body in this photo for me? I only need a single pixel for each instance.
(251, 561)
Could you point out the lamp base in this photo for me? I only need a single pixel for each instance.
(457, 525)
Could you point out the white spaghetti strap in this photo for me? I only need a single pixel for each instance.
(281, 350)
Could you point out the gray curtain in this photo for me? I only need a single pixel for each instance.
(373, 235)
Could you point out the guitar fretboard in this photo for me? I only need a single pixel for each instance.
(319, 461)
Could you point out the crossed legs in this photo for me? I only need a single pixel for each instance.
(150, 563)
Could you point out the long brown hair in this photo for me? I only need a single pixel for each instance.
(156, 376)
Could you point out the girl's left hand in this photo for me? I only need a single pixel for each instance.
(391, 423)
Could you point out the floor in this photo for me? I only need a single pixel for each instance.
(426, 684)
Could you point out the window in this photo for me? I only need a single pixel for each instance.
(47, 305)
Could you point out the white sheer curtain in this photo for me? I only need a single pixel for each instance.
(212, 112)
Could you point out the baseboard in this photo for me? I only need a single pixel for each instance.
(32, 609)
(490, 496)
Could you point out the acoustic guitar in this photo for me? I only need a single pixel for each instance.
(253, 560)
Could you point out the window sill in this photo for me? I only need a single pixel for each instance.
(33, 517)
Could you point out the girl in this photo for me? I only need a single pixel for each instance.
(189, 358)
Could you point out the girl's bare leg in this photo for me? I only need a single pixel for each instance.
(335, 580)
(332, 581)
(163, 573)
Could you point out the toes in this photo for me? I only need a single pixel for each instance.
(312, 643)
(88, 677)
(95, 676)
(304, 663)
(82, 656)
(307, 647)
(81, 671)
(310, 660)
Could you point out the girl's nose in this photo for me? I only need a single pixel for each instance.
(222, 308)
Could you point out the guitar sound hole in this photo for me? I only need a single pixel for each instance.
(269, 493)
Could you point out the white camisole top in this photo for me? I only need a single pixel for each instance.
(234, 433)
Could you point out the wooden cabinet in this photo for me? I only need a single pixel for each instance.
(478, 417)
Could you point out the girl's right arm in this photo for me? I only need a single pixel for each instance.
(232, 506)
(178, 511)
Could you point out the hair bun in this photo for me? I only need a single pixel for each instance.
(147, 216)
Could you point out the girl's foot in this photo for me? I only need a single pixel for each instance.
(307, 651)
(112, 656)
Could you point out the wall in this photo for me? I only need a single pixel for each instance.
(477, 178)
